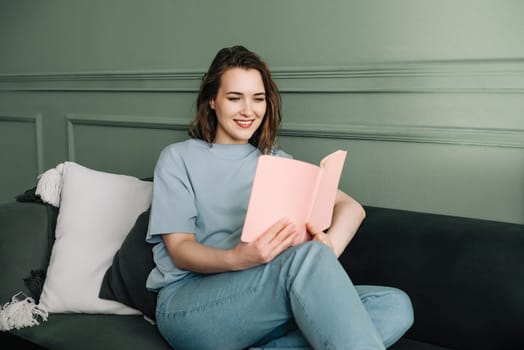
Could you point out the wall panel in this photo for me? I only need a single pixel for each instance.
(471, 126)
(471, 181)
(427, 96)
(21, 143)
(123, 144)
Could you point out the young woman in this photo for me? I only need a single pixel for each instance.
(216, 292)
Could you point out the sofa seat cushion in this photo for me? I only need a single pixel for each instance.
(410, 344)
(76, 331)
(94, 331)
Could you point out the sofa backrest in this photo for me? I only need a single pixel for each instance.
(26, 238)
(465, 276)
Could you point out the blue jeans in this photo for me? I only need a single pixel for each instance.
(302, 299)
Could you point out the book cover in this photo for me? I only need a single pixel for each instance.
(299, 190)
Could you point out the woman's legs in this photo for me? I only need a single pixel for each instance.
(390, 310)
(234, 310)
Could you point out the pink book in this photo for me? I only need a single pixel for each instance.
(291, 188)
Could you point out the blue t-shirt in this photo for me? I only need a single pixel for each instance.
(203, 189)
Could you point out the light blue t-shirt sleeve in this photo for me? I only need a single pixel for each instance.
(173, 203)
(280, 153)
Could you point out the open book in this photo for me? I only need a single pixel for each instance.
(291, 188)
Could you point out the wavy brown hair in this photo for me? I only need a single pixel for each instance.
(204, 124)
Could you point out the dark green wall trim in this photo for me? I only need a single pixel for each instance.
(35, 119)
(466, 76)
(399, 133)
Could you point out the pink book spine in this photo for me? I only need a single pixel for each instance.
(314, 199)
(324, 200)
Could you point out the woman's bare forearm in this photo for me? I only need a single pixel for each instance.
(348, 214)
(188, 254)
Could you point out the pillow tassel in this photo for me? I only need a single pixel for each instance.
(148, 319)
(49, 185)
(21, 312)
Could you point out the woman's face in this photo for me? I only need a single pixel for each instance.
(240, 105)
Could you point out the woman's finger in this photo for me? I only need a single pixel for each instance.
(313, 230)
(272, 231)
(320, 236)
(288, 230)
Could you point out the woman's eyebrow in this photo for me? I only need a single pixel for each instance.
(240, 93)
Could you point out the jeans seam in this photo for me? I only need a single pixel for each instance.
(324, 339)
(209, 305)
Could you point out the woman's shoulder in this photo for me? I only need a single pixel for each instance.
(180, 150)
(183, 147)
(279, 152)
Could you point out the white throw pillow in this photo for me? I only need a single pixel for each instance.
(97, 210)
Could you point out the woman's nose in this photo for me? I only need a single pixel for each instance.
(247, 109)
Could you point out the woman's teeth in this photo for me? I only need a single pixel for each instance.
(244, 123)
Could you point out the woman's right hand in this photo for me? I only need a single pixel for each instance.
(266, 247)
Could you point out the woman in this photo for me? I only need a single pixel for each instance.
(216, 292)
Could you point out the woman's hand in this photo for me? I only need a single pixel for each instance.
(320, 236)
(266, 247)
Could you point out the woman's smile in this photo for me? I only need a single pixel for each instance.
(244, 123)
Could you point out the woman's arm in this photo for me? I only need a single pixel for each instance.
(188, 254)
(348, 214)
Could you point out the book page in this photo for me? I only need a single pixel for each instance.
(322, 207)
(282, 188)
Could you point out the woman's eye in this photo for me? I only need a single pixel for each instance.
(260, 99)
(233, 98)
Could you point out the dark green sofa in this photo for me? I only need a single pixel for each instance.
(465, 278)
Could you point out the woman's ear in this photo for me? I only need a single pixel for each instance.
(212, 104)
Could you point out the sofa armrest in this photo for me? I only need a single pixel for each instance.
(26, 238)
(464, 276)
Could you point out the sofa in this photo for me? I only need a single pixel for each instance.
(465, 278)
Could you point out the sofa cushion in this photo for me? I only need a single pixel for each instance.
(410, 344)
(125, 279)
(88, 331)
(97, 210)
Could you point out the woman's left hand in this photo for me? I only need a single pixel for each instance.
(320, 236)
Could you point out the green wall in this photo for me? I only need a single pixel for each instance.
(427, 96)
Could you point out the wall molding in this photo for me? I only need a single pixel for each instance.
(446, 76)
(488, 137)
(123, 121)
(35, 119)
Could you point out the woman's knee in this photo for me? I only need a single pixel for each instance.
(403, 317)
(390, 309)
(404, 307)
(307, 260)
(313, 248)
